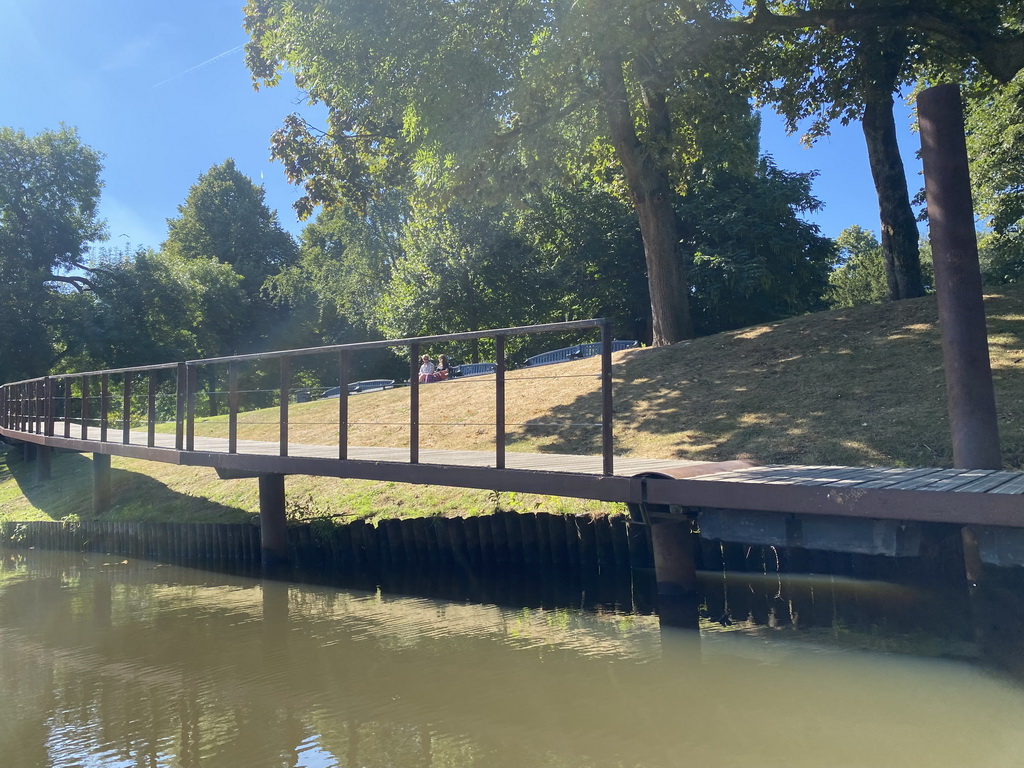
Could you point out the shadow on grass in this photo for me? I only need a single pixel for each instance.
(863, 386)
(134, 496)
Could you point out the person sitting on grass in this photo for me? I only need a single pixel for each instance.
(426, 369)
(443, 371)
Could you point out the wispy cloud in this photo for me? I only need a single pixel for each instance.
(218, 57)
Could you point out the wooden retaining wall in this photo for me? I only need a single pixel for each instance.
(501, 539)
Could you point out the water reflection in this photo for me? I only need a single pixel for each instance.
(112, 663)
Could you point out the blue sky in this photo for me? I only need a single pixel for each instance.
(161, 89)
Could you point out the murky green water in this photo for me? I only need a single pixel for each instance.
(110, 663)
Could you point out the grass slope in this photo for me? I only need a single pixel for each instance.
(862, 386)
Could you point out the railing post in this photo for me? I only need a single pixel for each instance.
(607, 412)
(233, 406)
(191, 385)
(49, 406)
(37, 407)
(3, 406)
(179, 409)
(344, 374)
(286, 385)
(104, 405)
(414, 404)
(151, 411)
(67, 406)
(85, 407)
(126, 409)
(499, 402)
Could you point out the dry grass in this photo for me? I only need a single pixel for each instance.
(854, 387)
(862, 386)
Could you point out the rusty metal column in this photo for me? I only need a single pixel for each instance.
(499, 403)
(607, 410)
(100, 482)
(273, 524)
(969, 390)
(414, 404)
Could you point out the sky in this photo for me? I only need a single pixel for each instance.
(161, 89)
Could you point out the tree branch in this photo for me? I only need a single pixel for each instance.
(79, 283)
(1002, 54)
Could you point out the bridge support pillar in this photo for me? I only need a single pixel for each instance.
(100, 483)
(674, 545)
(28, 452)
(273, 526)
(43, 456)
(675, 556)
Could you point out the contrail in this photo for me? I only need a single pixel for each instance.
(218, 57)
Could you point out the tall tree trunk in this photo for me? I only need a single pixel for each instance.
(881, 62)
(648, 181)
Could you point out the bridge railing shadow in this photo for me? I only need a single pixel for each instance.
(144, 405)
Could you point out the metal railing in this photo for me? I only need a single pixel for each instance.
(34, 406)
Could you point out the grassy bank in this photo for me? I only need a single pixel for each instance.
(862, 386)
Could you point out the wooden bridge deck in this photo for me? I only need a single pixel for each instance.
(980, 497)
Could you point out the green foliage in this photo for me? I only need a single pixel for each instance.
(49, 187)
(740, 276)
(860, 276)
(225, 219)
(156, 307)
(465, 269)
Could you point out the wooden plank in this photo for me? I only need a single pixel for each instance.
(889, 476)
(1015, 486)
(920, 481)
(964, 478)
(989, 483)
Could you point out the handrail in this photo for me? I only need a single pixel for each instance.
(30, 405)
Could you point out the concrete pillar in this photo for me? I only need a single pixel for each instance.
(273, 526)
(43, 456)
(100, 483)
(28, 452)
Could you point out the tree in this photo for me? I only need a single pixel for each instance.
(462, 95)
(224, 218)
(463, 269)
(49, 188)
(152, 307)
(864, 69)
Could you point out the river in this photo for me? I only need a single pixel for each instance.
(108, 662)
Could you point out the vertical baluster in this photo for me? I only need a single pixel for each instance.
(179, 409)
(499, 402)
(126, 409)
(606, 397)
(344, 374)
(151, 411)
(286, 384)
(104, 405)
(233, 406)
(68, 383)
(85, 407)
(414, 404)
(191, 387)
(48, 406)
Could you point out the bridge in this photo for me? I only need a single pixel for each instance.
(150, 412)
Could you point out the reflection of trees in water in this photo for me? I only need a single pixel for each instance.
(185, 674)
